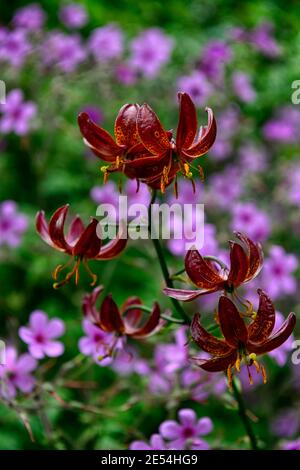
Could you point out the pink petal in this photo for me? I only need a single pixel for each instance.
(187, 416)
(38, 321)
(54, 348)
(170, 429)
(204, 426)
(56, 327)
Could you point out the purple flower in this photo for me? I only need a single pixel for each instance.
(106, 43)
(277, 275)
(252, 159)
(94, 112)
(63, 51)
(14, 47)
(127, 362)
(228, 125)
(224, 188)
(41, 335)
(73, 15)
(106, 194)
(12, 224)
(242, 87)
(247, 218)
(97, 343)
(262, 39)
(280, 131)
(156, 443)
(286, 424)
(30, 17)
(201, 384)
(215, 55)
(150, 51)
(16, 113)
(125, 74)
(197, 86)
(186, 434)
(291, 445)
(292, 184)
(16, 374)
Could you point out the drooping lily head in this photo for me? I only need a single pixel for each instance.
(241, 342)
(127, 321)
(211, 275)
(80, 242)
(143, 149)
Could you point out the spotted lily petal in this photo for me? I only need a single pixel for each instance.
(151, 132)
(232, 325)
(207, 341)
(206, 140)
(125, 126)
(239, 264)
(98, 139)
(217, 364)
(187, 125)
(261, 328)
(200, 272)
(275, 340)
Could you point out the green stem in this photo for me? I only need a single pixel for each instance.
(149, 310)
(163, 264)
(243, 415)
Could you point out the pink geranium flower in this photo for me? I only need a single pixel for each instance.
(16, 373)
(41, 335)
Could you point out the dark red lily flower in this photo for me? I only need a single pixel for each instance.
(128, 320)
(143, 150)
(246, 261)
(241, 342)
(102, 143)
(81, 243)
(171, 155)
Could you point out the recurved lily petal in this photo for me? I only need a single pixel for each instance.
(187, 125)
(255, 255)
(152, 325)
(216, 364)
(89, 304)
(200, 272)
(98, 139)
(206, 139)
(239, 264)
(261, 328)
(186, 295)
(275, 340)
(56, 228)
(125, 126)
(75, 231)
(89, 243)
(206, 340)
(232, 325)
(115, 246)
(110, 318)
(151, 132)
(42, 228)
(134, 315)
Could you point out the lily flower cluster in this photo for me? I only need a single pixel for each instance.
(246, 333)
(143, 149)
